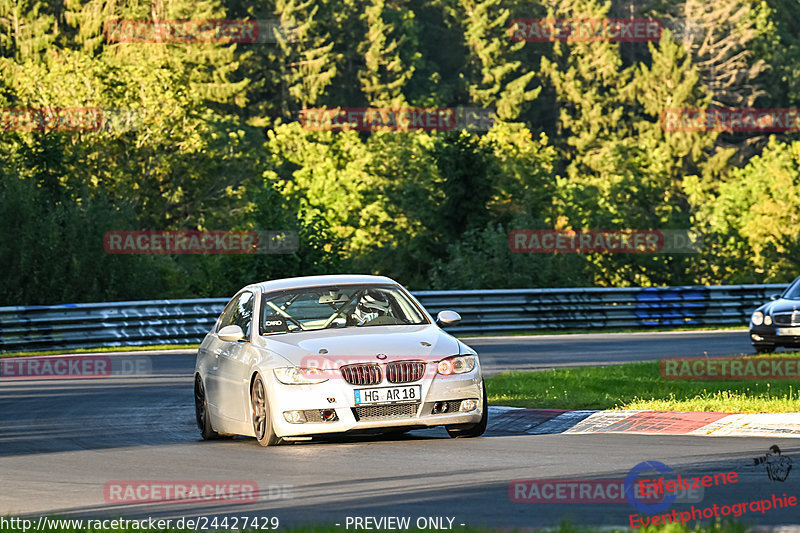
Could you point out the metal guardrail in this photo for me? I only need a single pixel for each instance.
(483, 311)
(93, 325)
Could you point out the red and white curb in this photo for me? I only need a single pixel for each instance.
(517, 420)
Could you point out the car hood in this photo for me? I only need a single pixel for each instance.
(781, 305)
(336, 347)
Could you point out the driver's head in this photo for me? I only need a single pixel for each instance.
(372, 304)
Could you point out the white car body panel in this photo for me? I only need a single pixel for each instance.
(227, 369)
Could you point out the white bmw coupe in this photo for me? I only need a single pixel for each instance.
(293, 358)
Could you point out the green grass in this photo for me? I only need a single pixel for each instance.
(104, 349)
(715, 527)
(639, 386)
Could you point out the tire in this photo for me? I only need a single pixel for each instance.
(472, 430)
(262, 422)
(201, 411)
(765, 348)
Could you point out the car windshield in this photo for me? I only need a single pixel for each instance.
(793, 291)
(343, 306)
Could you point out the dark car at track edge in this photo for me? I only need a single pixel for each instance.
(777, 322)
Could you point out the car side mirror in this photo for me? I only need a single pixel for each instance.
(774, 297)
(232, 333)
(447, 318)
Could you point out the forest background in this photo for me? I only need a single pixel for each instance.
(213, 141)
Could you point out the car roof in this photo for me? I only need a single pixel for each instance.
(318, 281)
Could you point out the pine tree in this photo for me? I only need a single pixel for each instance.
(309, 63)
(622, 170)
(495, 74)
(721, 52)
(385, 72)
(26, 29)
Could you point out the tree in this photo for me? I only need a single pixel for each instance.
(308, 63)
(385, 72)
(754, 218)
(495, 78)
(26, 29)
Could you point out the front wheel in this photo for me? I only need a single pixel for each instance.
(262, 421)
(472, 430)
(201, 411)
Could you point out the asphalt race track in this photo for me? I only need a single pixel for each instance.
(554, 351)
(61, 442)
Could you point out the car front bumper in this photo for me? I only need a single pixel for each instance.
(768, 336)
(350, 417)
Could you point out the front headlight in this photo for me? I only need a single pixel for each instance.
(458, 364)
(767, 320)
(299, 376)
(757, 318)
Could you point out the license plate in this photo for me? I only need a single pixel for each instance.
(411, 393)
(789, 331)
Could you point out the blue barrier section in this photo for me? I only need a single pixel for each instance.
(671, 306)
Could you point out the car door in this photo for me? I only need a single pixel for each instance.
(227, 377)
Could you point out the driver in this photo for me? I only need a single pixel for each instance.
(371, 305)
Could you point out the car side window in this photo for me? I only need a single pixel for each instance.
(239, 312)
